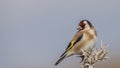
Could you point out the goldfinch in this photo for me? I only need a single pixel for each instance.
(84, 39)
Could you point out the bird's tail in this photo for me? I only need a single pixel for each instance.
(61, 58)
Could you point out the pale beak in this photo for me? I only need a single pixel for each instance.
(79, 28)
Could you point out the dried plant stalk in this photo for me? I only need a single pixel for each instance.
(89, 58)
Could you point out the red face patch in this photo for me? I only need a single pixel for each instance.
(81, 24)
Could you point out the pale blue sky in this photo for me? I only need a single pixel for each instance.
(34, 33)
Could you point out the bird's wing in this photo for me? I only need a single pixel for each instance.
(76, 38)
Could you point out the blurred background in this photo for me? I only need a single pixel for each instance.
(34, 33)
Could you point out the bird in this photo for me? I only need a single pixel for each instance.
(84, 39)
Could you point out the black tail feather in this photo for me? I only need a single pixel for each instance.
(61, 58)
(63, 54)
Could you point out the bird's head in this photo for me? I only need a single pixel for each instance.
(84, 24)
